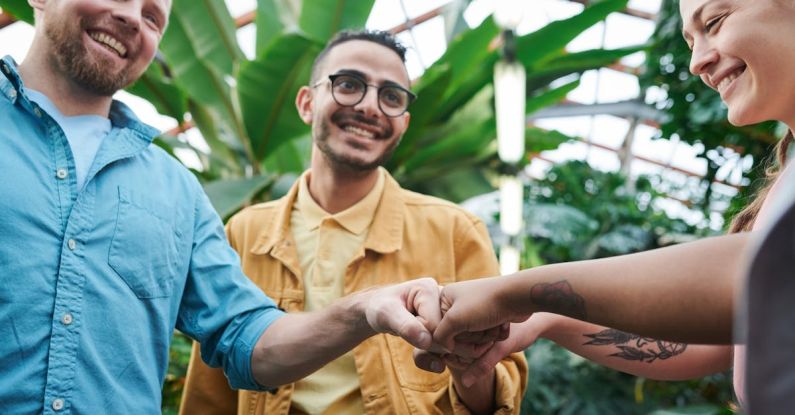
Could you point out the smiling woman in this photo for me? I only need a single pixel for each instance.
(744, 51)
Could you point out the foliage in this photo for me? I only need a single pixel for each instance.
(244, 107)
(578, 213)
(178, 359)
(563, 383)
(696, 112)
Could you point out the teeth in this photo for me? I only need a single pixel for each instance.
(724, 83)
(359, 131)
(107, 40)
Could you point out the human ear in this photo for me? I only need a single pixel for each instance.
(303, 103)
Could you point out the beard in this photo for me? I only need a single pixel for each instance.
(347, 162)
(91, 72)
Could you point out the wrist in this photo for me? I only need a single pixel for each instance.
(355, 313)
(513, 293)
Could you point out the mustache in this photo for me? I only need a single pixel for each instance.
(342, 116)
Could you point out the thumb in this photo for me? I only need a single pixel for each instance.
(398, 321)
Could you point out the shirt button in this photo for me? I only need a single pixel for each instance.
(12, 93)
(61, 173)
(37, 112)
(71, 244)
(57, 404)
(67, 319)
(5, 67)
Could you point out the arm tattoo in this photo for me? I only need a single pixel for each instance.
(560, 298)
(634, 347)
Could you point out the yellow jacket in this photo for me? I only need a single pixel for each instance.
(412, 235)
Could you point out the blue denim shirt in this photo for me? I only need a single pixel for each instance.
(93, 283)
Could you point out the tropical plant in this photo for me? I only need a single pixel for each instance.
(576, 212)
(244, 108)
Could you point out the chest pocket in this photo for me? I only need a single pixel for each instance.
(143, 250)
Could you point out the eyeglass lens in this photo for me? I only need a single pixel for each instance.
(349, 90)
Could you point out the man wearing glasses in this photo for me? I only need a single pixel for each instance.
(345, 226)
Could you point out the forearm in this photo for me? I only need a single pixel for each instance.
(629, 353)
(300, 343)
(680, 293)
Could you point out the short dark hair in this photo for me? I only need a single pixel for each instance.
(380, 37)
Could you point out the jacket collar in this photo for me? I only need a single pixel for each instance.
(386, 231)
(121, 116)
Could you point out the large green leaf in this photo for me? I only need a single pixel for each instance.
(559, 223)
(457, 185)
(570, 63)
(423, 110)
(553, 38)
(274, 17)
(549, 97)
(200, 63)
(228, 196)
(267, 89)
(290, 157)
(223, 156)
(20, 9)
(539, 139)
(472, 63)
(466, 54)
(211, 32)
(320, 19)
(154, 87)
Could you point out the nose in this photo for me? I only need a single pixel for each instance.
(128, 13)
(702, 58)
(369, 103)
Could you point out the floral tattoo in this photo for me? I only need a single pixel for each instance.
(634, 347)
(560, 298)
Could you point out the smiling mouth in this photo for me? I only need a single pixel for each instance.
(359, 131)
(728, 79)
(109, 42)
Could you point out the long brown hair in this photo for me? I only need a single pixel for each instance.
(744, 221)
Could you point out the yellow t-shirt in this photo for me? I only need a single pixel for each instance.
(326, 244)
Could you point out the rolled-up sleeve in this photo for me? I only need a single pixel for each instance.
(221, 308)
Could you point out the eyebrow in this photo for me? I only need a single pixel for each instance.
(364, 76)
(161, 9)
(696, 17)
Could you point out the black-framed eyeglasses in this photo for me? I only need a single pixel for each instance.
(349, 90)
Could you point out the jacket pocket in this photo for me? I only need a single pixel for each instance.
(408, 374)
(143, 248)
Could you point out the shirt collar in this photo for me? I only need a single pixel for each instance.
(385, 235)
(121, 116)
(356, 219)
